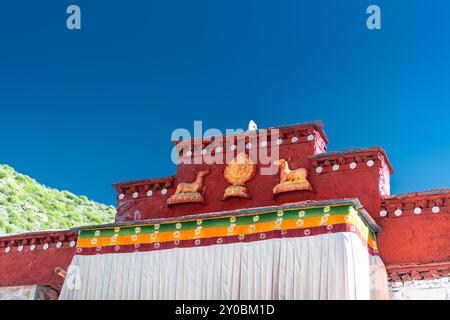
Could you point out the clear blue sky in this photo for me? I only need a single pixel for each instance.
(80, 110)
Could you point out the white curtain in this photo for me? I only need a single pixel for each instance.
(328, 266)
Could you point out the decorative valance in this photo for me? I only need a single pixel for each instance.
(287, 252)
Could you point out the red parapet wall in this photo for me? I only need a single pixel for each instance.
(356, 173)
(413, 239)
(416, 228)
(147, 199)
(32, 257)
(353, 179)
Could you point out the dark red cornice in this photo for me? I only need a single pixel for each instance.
(299, 129)
(144, 185)
(436, 201)
(38, 239)
(408, 272)
(361, 156)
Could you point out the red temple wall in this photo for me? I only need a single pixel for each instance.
(415, 239)
(368, 184)
(34, 267)
(28, 267)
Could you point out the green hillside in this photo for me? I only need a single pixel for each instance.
(26, 205)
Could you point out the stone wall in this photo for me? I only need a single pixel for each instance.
(434, 289)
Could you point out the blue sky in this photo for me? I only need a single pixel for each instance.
(83, 109)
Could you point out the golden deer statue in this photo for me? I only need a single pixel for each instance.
(287, 174)
(291, 180)
(196, 186)
(189, 191)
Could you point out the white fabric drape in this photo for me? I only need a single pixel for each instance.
(378, 279)
(328, 266)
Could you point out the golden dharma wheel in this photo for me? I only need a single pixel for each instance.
(240, 170)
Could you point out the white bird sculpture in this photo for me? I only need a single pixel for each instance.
(252, 126)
